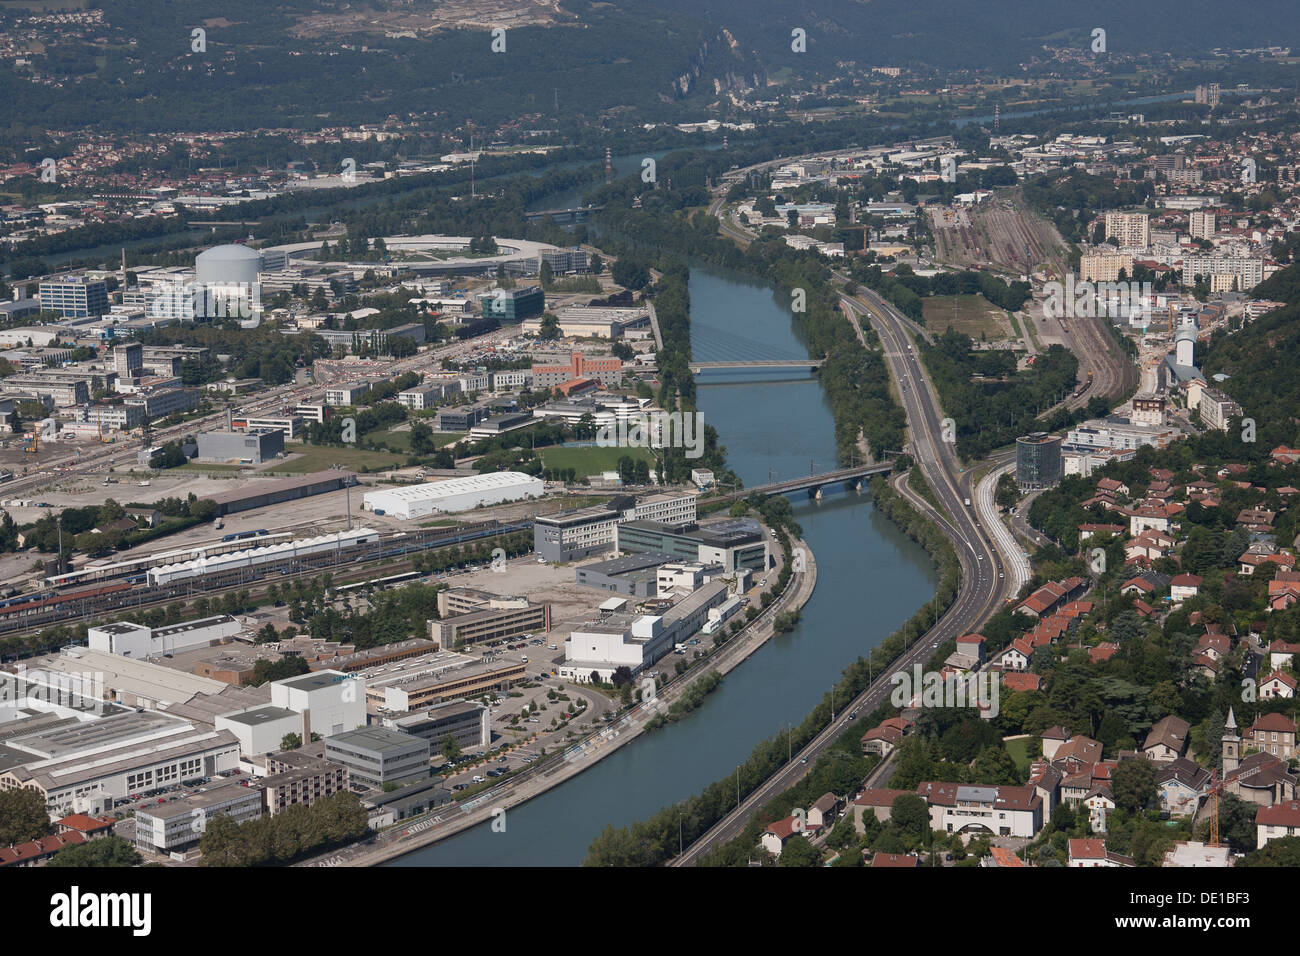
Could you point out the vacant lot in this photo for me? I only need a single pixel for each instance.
(973, 315)
(305, 459)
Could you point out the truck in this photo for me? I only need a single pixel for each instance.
(967, 502)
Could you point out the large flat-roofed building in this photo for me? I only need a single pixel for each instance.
(1118, 435)
(462, 418)
(504, 620)
(454, 494)
(167, 401)
(582, 322)
(63, 390)
(330, 701)
(375, 756)
(354, 660)
(607, 370)
(263, 494)
(572, 535)
(177, 826)
(138, 640)
(342, 395)
(261, 730)
(126, 680)
(248, 448)
(1038, 461)
(636, 641)
(732, 543)
(467, 722)
(423, 682)
(1217, 409)
(85, 767)
(512, 305)
(667, 508)
(290, 425)
(635, 575)
(74, 297)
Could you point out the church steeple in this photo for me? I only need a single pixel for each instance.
(1231, 744)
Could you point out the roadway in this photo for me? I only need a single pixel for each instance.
(984, 581)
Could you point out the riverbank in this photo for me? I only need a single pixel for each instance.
(493, 807)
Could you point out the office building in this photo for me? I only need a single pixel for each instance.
(343, 395)
(504, 619)
(375, 756)
(467, 722)
(423, 682)
(605, 370)
(512, 305)
(260, 730)
(74, 297)
(633, 575)
(128, 360)
(176, 827)
(572, 535)
(732, 543)
(1038, 461)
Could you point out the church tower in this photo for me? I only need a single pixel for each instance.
(1231, 745)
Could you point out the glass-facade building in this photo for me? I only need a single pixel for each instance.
(1038, 461)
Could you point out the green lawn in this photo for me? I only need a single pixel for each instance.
(1019, 751)
(592, 460)
(309, 458)
(401, 440)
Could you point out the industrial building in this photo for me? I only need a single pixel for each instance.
(251, 448)
(85, 767)
(260, 730)
(330, 702)
(582, 322)
(375, 756)
(263, 494)
(454, 494)
(139, 641)
(634, 575)
(1038, 461)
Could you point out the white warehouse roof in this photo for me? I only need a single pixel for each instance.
(454, 494)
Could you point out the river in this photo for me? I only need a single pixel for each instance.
(870, 580)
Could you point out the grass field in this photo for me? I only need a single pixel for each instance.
(972, 314)
(593, 460)
(1019, 751)
(401, 440)
(309, 458)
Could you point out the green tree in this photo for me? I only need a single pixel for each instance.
(22, 816)
(105, 851)
(450, 749)
(1133, 784)
(291, 741)
(799, 852)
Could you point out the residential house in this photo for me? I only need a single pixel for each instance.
(1272, 734)
(1167, 739)
(1092, 852)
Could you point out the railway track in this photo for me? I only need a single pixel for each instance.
(348, 564)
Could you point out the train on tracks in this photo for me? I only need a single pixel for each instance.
(53, 605)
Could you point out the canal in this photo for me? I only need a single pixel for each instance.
(870, 580)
